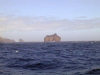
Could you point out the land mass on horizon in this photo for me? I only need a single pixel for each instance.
(6, 40)
(52, 38)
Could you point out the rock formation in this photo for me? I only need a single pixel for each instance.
(52, 38)
(93, 72)
(5, 40)
(21, 40)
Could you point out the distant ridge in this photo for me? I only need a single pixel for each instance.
(5, 40)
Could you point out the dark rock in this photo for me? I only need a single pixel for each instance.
(90, 72)
(94, 71)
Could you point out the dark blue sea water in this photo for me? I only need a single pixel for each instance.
(64, 58)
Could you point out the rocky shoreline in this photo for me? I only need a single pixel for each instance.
(5, 40)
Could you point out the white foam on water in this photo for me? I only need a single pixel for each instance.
(17, 51)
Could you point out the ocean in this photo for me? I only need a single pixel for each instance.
(62, 58)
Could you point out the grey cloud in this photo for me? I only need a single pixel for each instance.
(82, 17)
(11, 23)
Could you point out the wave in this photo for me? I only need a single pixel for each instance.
(32, 64)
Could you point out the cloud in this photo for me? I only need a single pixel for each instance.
(82, 17)
(13, 23)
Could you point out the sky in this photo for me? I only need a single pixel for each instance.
(32, 20)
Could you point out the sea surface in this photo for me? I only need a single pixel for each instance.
(63, 58)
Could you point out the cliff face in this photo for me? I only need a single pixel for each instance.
(4, 40)
(52, 38)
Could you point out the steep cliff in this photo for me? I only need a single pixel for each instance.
(52, 38)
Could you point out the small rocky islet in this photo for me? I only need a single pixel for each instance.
(52, 38)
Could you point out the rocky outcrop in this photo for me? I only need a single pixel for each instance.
(90, 72)
(93, 72)
(52, 38)
(5, 40)
(21, 40)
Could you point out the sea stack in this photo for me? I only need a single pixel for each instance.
(52, 38)
(21, 40)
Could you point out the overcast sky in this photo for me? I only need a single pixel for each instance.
(32, 20)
